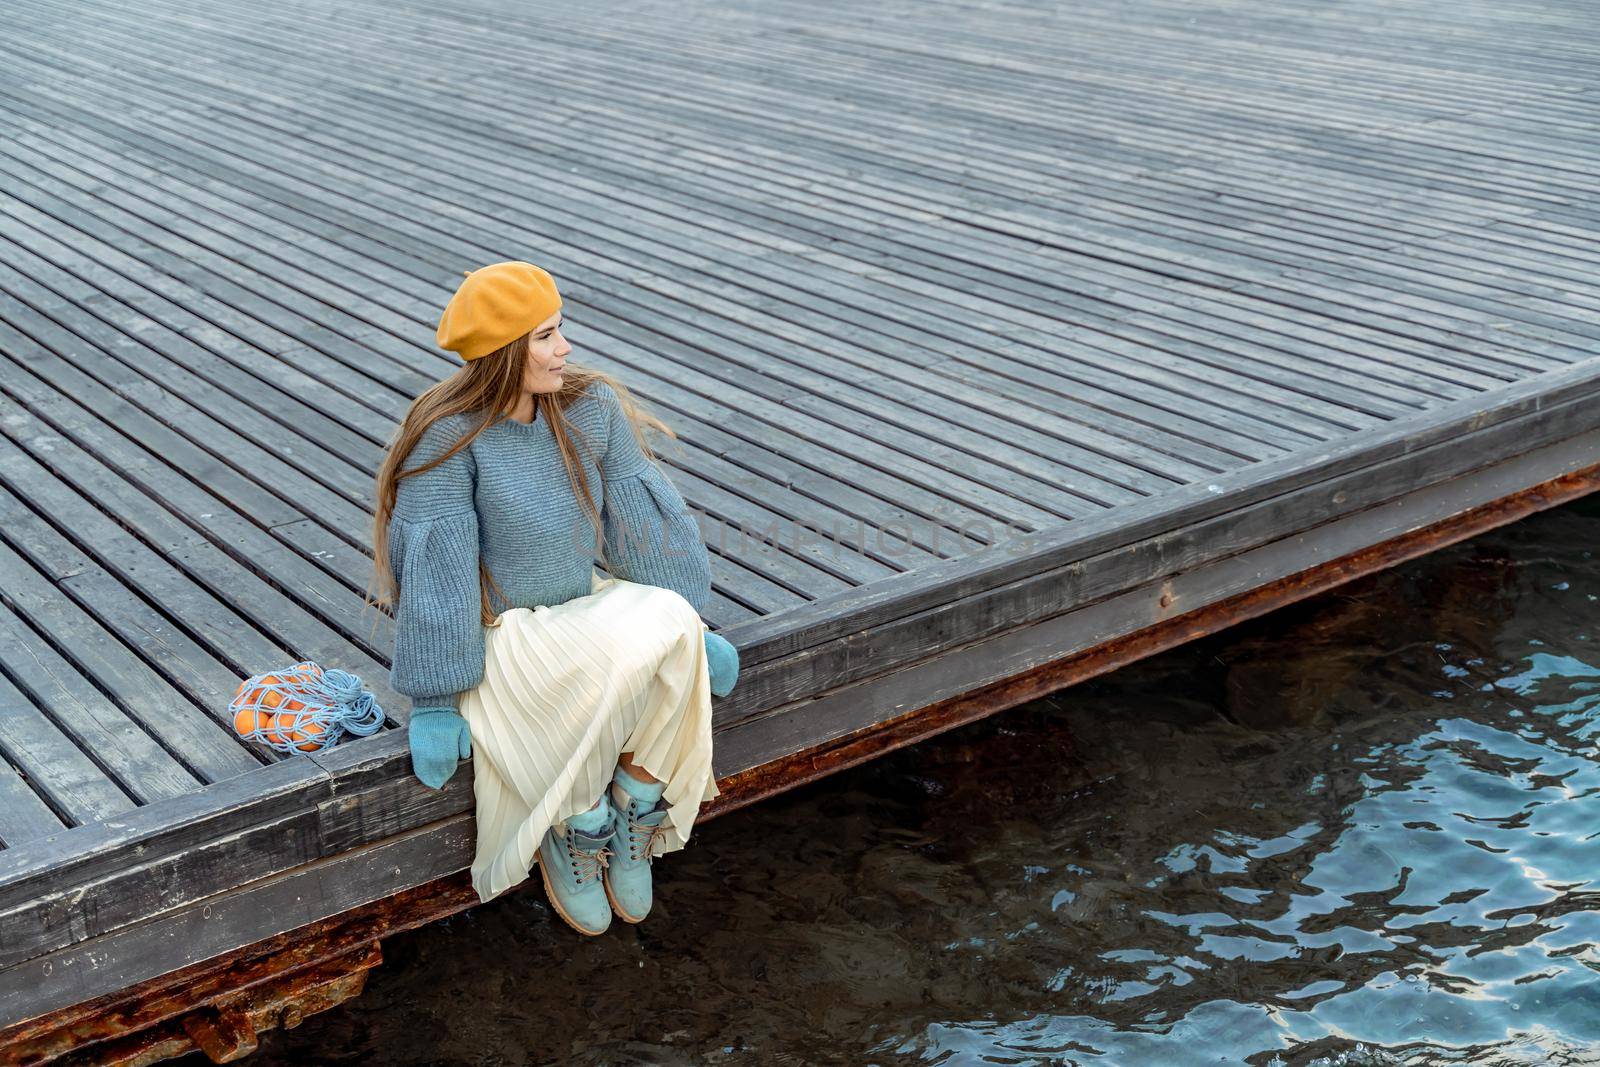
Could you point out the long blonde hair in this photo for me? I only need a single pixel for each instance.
(485, 387)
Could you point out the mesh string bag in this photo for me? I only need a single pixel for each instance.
(304, 708)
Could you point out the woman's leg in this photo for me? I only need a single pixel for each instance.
(636, 798)
(638, 773)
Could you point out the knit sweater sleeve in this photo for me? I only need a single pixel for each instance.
(433, 539)
(650, 536)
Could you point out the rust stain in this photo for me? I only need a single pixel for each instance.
(220, 1006)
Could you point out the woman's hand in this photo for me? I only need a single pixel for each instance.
(724, 661)
(439, 738)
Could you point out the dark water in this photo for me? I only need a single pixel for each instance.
(1362, 830)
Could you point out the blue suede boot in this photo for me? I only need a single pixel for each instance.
(572, 857)
(639, 814)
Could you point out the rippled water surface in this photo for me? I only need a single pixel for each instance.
(1362, 830)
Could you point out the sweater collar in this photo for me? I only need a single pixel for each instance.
(522, 429)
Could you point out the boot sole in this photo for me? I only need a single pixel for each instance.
(555, 903)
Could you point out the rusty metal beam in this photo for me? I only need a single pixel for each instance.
(219, 1006)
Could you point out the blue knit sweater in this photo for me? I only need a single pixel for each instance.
(507, 497)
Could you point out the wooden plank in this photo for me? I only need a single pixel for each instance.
(1093, 464)
(335, 453)
(907, 244)
(876, 205)
(748, 586)
(1254, 116)
(884, 462)
(1061, 401)
(232, 920)
(62, 773)
(763, 458)
(238, 279)
(207, 749)
(116, 742)
(958, 580)
(879, 322)
(754, 504)
(23, 815)
(195, 554)
(848, 709)
(190, 301)
(902, 642)
(396, 371)
(26, 439)
(285, 833)
(84, 855)
(1254, 121)
(156, 399)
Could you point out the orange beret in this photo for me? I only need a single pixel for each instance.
(494, 306)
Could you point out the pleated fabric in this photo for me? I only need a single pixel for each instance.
(566, 690)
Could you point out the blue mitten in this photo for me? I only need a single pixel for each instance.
(439, 738)
(724, 661)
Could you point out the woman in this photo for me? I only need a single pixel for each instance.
(584, 702)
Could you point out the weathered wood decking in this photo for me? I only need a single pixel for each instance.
(1062, 321)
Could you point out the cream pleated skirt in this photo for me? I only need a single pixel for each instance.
(566, 690)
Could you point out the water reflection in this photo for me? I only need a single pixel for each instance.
(1359, 831)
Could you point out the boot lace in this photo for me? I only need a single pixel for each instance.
(586, 864)
(641, 837)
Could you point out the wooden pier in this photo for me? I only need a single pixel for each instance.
(1005, 343)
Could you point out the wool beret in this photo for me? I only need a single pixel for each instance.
(494, 306)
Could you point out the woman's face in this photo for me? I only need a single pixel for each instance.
(547, 355)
